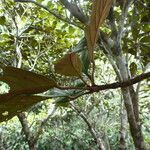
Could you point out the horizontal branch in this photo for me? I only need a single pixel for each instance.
(115, 85)
(124, 84)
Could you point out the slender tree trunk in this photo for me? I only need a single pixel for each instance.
(26, 130)
(107, 144)
(123, 127)
(97, 139)
(131, 104)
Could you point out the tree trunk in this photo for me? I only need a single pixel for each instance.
(131, 105)
(97, 139)
(26, 130)
(123, 127)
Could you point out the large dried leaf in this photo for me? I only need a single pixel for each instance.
(99, 13)
(69, 65)
(11, 104)
(22, 84)
(25, 82)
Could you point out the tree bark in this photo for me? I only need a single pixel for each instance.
(98, 140)
(26, 130)
(123, 128)
(131, 105)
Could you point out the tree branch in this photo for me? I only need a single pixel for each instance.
(121, 25)
(98, 140)
(50, 11)
(121, 84)
(30, 139)
(115, 85)
(75, 11)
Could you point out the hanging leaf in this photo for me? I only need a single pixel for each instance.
(22, 84)
(133, 69)
(11, 105)
(99, 13)
(58, 93)
(80, 46)
(2, 20)
(26, 82)
(69, 65)
(145, 39)
(85, 61)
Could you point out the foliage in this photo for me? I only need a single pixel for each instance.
(75, 56)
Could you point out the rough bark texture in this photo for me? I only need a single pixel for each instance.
(27, 132)
(131, 107)
(123, 128)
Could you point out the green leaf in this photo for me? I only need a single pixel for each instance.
(135, 33)
(58, 93)
(146, 28)
(71, 30)
(62, 102)
(26, 82)
(69, 65)
(79, 83)
(2, 20)
(11, 105)
(145, 50)
(85, 61)
(133, 69)
(80, 46)
(40, 1)
(145, 39)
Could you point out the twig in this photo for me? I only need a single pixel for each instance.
(75, 11)
(121, 24)
(91, 129)
(50, 11)
(43, 123)
(138, 86)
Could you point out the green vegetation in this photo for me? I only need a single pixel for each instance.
(74, 75)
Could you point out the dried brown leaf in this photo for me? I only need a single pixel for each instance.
(26, 82)
(100, 10)
(69, 65)
(11, 104)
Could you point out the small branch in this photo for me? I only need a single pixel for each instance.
(121, 25)
(98, 140)
(97, 88)
(30, 139)
(108, 52)
(93, 72)
(75, 97)
(71, 88)
(91, 89)
(75, 11)
(50, 11)
(43, 123)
